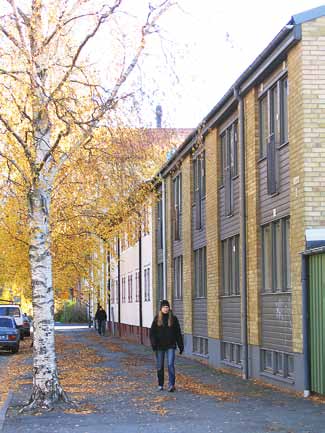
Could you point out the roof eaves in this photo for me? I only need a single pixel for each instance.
(285, 39)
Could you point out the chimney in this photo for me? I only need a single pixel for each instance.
(158, 116)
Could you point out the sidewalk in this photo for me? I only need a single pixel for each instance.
(114, 384)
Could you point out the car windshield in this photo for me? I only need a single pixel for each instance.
(10, 311)
(5, 323)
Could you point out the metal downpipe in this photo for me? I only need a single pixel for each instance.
(243, 235)
(305, 323)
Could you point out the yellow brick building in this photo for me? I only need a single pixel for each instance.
(240, 194)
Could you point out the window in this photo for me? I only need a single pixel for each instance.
(147, 284)
(160, 275)
(273, 109)
(276, 256)
(178, 277)
(231, 353)
(160, 224)
(130, 288)
(177, 199)
(229, 152)
(123, 289)
(277, 363)
(112, 294)
(230, 266)
(200, 346)
(145, 224)
(137, 287)
(199, 188)
(200, 280)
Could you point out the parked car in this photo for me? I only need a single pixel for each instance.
(26, 325)
(13, 310)
(9, 334)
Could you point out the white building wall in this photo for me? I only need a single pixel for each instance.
(129, 265)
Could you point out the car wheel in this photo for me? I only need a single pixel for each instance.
(15, 349)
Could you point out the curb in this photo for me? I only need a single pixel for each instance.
(4, 408)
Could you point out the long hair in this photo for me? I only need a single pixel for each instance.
(160, 318)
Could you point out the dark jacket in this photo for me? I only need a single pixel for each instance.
(101, 315)
(166, 337)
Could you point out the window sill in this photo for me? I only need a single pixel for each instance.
(201, 355)
(276, 293)
(230, 296)
(231, 364)
(288, 380)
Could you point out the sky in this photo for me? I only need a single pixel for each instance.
(213, 42)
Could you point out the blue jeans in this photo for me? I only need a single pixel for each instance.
(160, 357)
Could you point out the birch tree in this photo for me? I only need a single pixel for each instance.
(53, 103)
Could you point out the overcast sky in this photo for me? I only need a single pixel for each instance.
(214, 42)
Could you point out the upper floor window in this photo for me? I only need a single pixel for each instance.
(112, 292)
(178, 277)
(230, 266)
(160, 224)
(177, 199)
(273, 109)
(147, 284)
(276, 256)
(137, 286)
(123, 289)
(199, 187)
(146, 221)
(200, 273)
(229, 169)
(130, 288)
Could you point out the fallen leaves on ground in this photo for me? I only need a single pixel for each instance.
(188, 383)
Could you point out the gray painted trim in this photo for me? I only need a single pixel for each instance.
(308, 15)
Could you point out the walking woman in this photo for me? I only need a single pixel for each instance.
(165, 335)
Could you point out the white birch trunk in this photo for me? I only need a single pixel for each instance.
(46, 388)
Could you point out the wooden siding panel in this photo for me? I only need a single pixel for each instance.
(160, 256)
(178, 310)
(277, 321)
(230, 319)
(229, 225)
(200, 322)
(281, 201)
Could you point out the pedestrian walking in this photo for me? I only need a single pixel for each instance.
(101, 320)
(165, 336)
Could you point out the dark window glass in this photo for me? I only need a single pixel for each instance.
(230, 266)
(273, 126)
(177, 199)
(200, 282)
(264, 133)
(276, 256)
(178, 277)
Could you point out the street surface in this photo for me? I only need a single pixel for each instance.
(113, 383)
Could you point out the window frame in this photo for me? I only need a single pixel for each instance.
(178, 277)
(177, 205)
(199, 187)
(273, 127)
(272, 249)
(200, 273)
(230, 266)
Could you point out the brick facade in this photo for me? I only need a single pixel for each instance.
(187, 242)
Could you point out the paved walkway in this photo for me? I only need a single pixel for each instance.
(114, 384)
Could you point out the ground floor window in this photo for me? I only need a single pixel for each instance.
(277, 363)
(200, 345)
(231, 353)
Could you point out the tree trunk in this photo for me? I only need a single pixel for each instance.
(46, 387)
